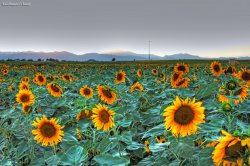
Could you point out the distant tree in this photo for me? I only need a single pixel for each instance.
(113, 59)
(30, 59)
(91, 60)
(39, 60)
(52, 60)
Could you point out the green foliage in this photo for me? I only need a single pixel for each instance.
(138, 115)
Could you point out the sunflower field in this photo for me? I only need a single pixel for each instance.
(153, 113)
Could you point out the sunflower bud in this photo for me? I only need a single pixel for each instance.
(227, 107)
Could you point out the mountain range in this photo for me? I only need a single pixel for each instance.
(106, 56)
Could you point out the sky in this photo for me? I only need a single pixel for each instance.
(211, 28)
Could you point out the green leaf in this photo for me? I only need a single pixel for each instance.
(22, 148)
(124, 122)
(157, 130)
(74, 156)
(6, 163)
(204, 157)
(107, 160)
(242, 125)
(126, 137)
(206, 90)
(182, 149)
(135, 146)
(214, 126)
(69, 138)
(159, 147)
(154, 161)
(53, 160)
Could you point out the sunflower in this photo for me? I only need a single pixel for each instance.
(212, 144)
(163, 76)
(40, 79)
(103, 117)
(160, 139)
(86, 91)
(26, 108)
(175, 78)
(246, 142)
(67, 77)
(11, 88)
(139, 73)
(25, 97)
(120, 77)
(181, 67)
(48, 131)
(79, 134)
(231, 85)
(5, 72)
(183, 83)
(83, 114)
(216, 80)
(183, 116)
(154, 71)
(226, 107)
(228, 147)
(242, 94)
(199, 142)
(216, 68)
(25, 79)
(106, 95)
(230, 70)
(51, 78)
(244, 75)
(24, 85)
(136, 86)
(146, 143)
(54, 89)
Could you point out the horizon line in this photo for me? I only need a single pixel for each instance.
(103, 52)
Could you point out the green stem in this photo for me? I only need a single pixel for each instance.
(93, 136)
(54, 148)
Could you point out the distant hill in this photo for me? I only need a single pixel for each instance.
(108, 56)
(181, 56)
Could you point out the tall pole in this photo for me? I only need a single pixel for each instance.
(149, 50)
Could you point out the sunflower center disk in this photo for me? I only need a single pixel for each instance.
(216, 68)
(176, 76)
(231, 85)
(48, 130)
(246, 76)
(181, 68)
(107, 93)
(55, 88)
(137, 87)
(180, 83)
(235, 150)
(66, 77)
(184, 115)
(40, 78)
(104, 116)
(24, 98)
(86, 91)
(238, 92)
(230, 70)
(119, 76)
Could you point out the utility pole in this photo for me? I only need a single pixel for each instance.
(149, 50)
